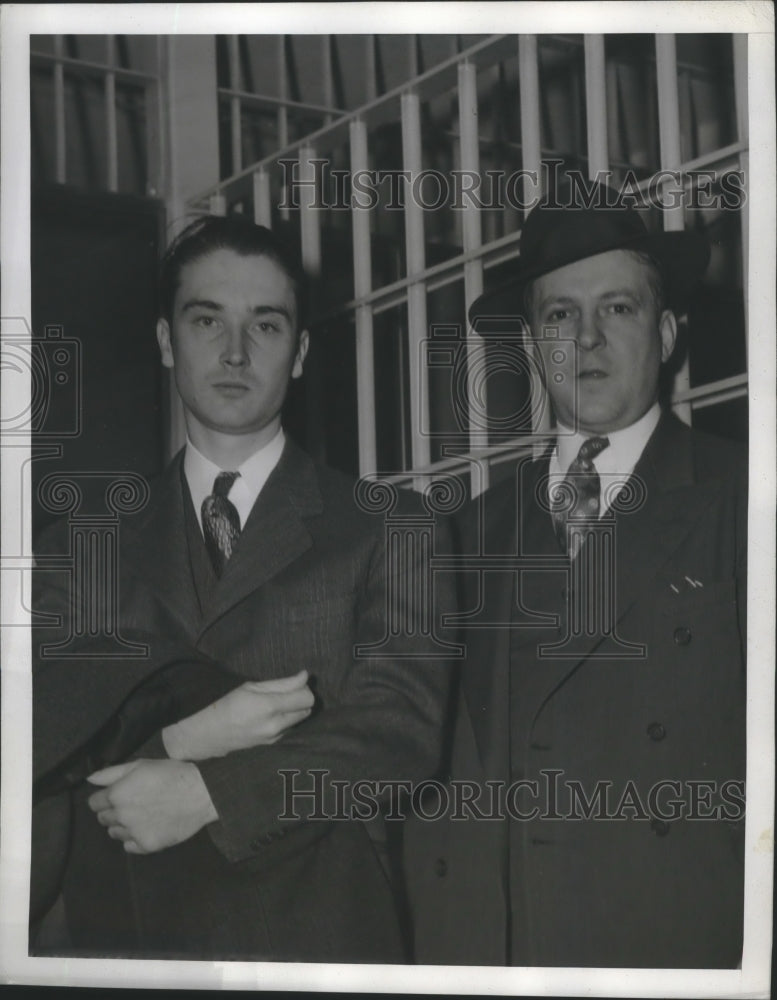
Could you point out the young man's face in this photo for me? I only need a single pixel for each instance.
(604, 306)
(233, 345)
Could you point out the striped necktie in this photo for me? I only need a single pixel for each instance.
(577, 497)
(220, 521)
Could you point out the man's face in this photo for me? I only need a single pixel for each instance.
(233, 345)
(604, 306)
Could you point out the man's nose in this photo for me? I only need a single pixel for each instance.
(590, 334)
(234, 351)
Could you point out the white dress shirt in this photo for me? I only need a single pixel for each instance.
(615, 464)
(201, 473)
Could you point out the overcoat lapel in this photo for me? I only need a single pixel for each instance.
(646, 538)
(157, 550)
(274, 534)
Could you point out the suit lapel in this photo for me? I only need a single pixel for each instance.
(274, 534)
(646, 538)
(158, 553)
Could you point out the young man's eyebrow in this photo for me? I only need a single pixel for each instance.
(218, 307)
(201, 304)
(265, 310)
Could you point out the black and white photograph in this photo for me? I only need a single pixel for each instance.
(388, 497)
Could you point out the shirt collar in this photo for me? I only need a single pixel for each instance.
(623, 453)
(200, 474)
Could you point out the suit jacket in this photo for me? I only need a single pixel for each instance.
(645, 889)
(308, 582)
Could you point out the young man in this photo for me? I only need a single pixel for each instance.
(604, 687)
(249, 564)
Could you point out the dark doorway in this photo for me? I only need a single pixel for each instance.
(93, 266)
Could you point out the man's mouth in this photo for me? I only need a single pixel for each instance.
(231, 387)
(592, 373)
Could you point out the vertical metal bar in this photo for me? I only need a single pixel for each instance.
(596, 105)
(416, 294)
(59, 112)
(469, 152)
(283, 93)
(111, 132)
(310, 241)
(743, 133)
(362, 285)
(234, 104)
(329, 91)
(309, 220)
(157, 150)
(412, 54)
(370, 69)
(262, 201)
(740, 85)
(529, 84)
(669, 133)
(469, 156)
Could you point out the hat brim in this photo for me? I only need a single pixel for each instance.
(683, 257)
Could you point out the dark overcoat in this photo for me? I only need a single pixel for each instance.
(644, 888)
(309, 582)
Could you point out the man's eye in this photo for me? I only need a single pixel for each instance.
(620, 308)
(205, 322)
(265, 326)
(557, 315)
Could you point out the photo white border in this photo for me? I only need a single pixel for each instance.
(17, 22)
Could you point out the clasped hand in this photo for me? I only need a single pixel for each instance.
(153, 804)
(257, 712)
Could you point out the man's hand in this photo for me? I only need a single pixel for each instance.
(151, 804)
(257, 712)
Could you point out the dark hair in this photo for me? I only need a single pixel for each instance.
(231, 232)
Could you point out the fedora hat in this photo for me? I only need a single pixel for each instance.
(561, 231)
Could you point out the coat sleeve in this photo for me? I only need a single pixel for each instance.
(385, 725)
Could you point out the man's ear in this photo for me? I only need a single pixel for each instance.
(165, 345)
(667, 328)
(303, 343)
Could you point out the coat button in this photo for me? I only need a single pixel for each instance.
(441, 867)
(682, 636)
(659, 827)
(656, 731)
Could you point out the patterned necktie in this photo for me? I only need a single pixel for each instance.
(220, 521)
(577, 497)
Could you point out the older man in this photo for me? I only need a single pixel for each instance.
(603, 697)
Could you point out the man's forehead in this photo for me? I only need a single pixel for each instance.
(225, 263)
(224, 274)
